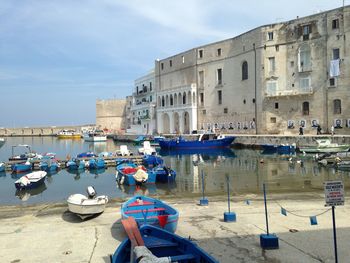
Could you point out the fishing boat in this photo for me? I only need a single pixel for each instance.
(129, 173)
(95, 136)
(86, 155)
(76, 164)
(31, 180)
(150, 161)
(98, 163)
(160, 244)
(68, 134)
(325, 146)
(24, 156)
(202, 141)
(21, 167)
(49, 165)
(163, 174)
(87, 206)
(147, 149)
(150, 211)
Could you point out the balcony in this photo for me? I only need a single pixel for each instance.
(294, 92)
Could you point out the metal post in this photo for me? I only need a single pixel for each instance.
(267, 221)
(202, 183)
(228, 193)
(334, 235)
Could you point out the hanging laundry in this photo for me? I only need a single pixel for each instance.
(334, 70)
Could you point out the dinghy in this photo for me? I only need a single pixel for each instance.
(147, 210)
(151, 244)
(87, 206)
(31, 180)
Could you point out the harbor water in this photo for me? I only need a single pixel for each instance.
(245, 170)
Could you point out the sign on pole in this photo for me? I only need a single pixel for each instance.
(334, 193)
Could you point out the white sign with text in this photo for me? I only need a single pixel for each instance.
(334, 193)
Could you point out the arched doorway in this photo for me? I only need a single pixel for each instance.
(177, 123)
(166, 123)
(186, 120)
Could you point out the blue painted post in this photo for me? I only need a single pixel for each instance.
(334, 235)
(229, 216)
(204, 201)
(268, 241)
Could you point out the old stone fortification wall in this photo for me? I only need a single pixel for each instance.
(110, 114)
(38, 131)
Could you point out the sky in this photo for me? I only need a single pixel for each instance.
(57, 57)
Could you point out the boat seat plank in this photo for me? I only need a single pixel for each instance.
(148, 210)
(182, 257)
(140, 204)
(154, 242)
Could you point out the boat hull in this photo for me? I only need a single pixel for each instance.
(31, 180)
(123, 177)
(324, 150)
(164, 244)
(85, 207)
(88, 138)
(150, 211)
(187, 144)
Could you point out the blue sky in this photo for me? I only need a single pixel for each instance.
(58, 56)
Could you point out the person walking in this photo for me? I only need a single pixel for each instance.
(318, 129)
(301, 130)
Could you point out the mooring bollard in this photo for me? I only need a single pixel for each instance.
(229, 216)
(268, 241)
(204, 201)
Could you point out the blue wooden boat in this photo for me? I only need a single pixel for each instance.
(21, 167)
(49, 165)
(151, 211)
(203, 141)
(72, 164)
(31, 180)
(164, 174)
(97, 163)
(131, 174)
(164, 244)
(226, 152)
(86, 155)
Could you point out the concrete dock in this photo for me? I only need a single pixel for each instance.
(49, 233)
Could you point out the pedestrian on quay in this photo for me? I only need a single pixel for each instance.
(301, 130)
(332, 130)
(319, 129)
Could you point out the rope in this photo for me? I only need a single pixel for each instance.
(303, 216)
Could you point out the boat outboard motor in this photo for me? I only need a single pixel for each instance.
(91, 192)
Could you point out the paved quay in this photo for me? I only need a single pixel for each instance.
(49, 233)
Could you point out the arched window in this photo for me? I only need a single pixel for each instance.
(306, 110)
(163, 101)
(171, 100)
(244, 70)
(337, 106)
(184, 98)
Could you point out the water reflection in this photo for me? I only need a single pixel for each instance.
(2, 174)
(25, 194)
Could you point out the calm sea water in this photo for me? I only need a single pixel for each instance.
(244, 171)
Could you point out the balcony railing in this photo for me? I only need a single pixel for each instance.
(294, 92)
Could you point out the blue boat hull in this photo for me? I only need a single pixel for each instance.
(31, 185)
(164, 174)
(128, 179)
(164, 244)
(21, 168)
(188, 144)
(150, 212)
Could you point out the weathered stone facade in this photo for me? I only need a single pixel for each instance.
(111, 115)
(296, 72)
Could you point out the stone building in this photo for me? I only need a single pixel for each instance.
(111, 115)
(269, 80)
(142, 107)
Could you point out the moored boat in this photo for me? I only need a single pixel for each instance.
(95, 136)
(68, 134)
(161, 244)
(151, 211)
(202, 141)
(131, 174)
(21, 167)
(87, 206)
(147, 149)
(325, 146)
(31, 180)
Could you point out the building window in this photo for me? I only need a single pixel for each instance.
(244, 70)
(200, 53)
(273, 120)
(219, 52)
(306, 32)
(332, 82)
(244, 101)
(305, 109)
(272, 64)
(162, 66)
(184, 99)
(170, 63)
(201, 98)
(201, 78)
(219, 97)
(183, 59)
(269, 35)
(276, 105)
(277, 47)
(304, 58)
(219, 76)
(225, 110)
(253, 100)
(271, 87)
(335, 23)
(304, 84)
(336, 54)
(337, 106)
(204, 112)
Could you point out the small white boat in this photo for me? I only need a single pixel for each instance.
(325, 146)
(95, 136)
(147, 149)
(87, 206)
